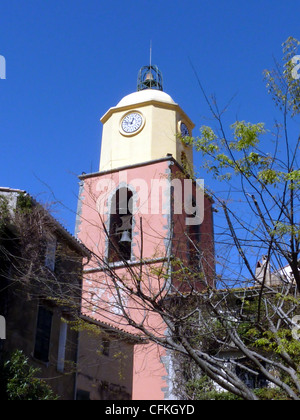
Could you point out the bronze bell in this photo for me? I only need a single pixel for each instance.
(125, 236)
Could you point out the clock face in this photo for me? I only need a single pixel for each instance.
(132, 122)
(184, 130)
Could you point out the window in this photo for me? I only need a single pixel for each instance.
(105, 347)
(43, 334)
(62, 346)
(254, 379)
(194, 239)
(120, 229)
(50, 253)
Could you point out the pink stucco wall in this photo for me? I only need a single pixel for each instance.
(152, 220)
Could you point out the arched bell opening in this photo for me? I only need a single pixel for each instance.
(120, 227)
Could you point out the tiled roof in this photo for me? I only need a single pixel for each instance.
(115, 330)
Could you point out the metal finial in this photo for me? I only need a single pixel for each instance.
(150, 77)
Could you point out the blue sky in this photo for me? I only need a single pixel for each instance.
(69, 61)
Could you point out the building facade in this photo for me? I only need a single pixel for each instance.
(40, 288)
(105, 362)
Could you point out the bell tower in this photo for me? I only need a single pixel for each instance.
(144, 125)
(128, 217)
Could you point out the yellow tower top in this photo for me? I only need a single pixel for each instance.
(144, 126)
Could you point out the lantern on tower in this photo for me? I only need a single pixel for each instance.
(150, 77)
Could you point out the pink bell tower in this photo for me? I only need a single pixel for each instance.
(134, 217)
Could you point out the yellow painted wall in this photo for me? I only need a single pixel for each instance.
(157, 138)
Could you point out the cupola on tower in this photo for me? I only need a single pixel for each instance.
(144, 126)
